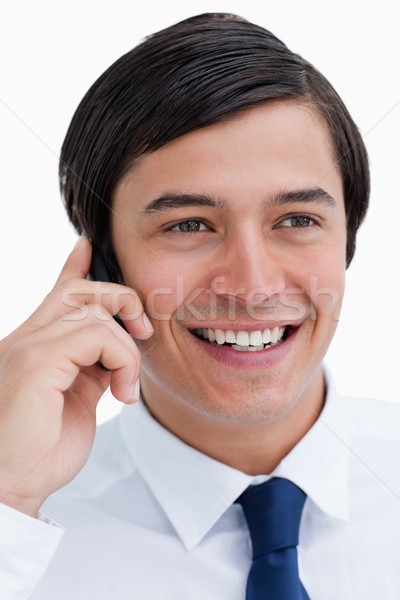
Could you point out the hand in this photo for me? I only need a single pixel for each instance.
(50, 382)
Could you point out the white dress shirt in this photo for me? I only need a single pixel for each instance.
(151, 518)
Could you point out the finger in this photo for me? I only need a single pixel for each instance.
(78, 262)
(72, 297)
(116, 299)
(123, 362)
(94, 314)
(56, 363)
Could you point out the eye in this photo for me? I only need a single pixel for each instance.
(297, 222)
(190, 226)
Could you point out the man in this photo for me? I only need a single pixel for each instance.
(222, 180)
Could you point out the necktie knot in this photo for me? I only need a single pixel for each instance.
(273, 512)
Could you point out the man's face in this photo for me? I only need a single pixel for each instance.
(240, 227)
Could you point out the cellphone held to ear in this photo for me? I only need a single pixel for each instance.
(98, 272)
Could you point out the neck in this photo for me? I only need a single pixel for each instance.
(255, 448)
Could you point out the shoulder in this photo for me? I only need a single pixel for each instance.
(364, 416)
(108, 463)
(373, 448)
(374, 418)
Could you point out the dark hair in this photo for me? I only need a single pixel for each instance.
(200, 71)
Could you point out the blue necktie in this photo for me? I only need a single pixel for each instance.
(273, 512)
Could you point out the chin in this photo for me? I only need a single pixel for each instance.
(251, 407)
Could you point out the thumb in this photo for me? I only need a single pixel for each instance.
(78, 262)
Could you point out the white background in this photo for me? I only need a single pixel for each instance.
(51, 52)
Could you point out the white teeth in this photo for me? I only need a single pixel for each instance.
(247, 348)
(242, 338)
(230, 337)
(256, 338)
(238, 348)
(220, 336)
(266, 338)
(274, 335)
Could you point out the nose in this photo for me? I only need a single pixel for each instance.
(249, 268)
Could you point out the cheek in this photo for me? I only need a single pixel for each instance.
(325, 284)
(164, 283)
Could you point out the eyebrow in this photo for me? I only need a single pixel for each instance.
(315, 194)
(172, 200)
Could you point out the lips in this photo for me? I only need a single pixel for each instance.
(247, 358)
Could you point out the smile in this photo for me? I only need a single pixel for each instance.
(243, 341)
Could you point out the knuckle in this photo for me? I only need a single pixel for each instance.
(98, 313)
(132, 304)
(66, 285)
(16, 348)
(69, 292)
(99, 331)
(25, 355)
(132, 294)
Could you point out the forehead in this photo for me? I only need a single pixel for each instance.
(274, 146)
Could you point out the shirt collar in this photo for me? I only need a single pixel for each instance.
(319, 463)
(195, 490)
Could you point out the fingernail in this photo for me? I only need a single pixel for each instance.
(147, 324)
(134, 393)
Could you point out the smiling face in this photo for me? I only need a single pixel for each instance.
(236, 231)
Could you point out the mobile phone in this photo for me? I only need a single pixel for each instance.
(98, 272)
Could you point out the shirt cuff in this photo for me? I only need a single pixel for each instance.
(26, 547)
